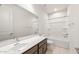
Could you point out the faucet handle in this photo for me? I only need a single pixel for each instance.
(11, 34)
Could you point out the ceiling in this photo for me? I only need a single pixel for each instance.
(50, 8)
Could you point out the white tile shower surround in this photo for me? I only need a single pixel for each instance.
(52, 49)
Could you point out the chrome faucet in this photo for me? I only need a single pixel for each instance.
(16, 38)
(66, 35)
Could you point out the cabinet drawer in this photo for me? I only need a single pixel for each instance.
(33, 50)
(42, 42)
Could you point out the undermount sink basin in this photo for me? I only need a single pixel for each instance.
(27, 41)
(18, 46)
(32, 39)
(7, 47)
(23, 41)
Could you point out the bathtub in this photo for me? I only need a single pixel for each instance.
(59, 41)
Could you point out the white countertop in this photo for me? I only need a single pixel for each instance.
(22, 45)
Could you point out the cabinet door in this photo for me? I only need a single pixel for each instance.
(42, 49)
(35, 52)
(43, 46)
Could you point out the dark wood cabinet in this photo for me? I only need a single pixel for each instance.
(39, 48)
(43, 47)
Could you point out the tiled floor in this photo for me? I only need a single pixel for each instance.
(59, 50)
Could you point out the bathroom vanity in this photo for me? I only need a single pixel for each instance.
(39, 48)
(34, 44)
